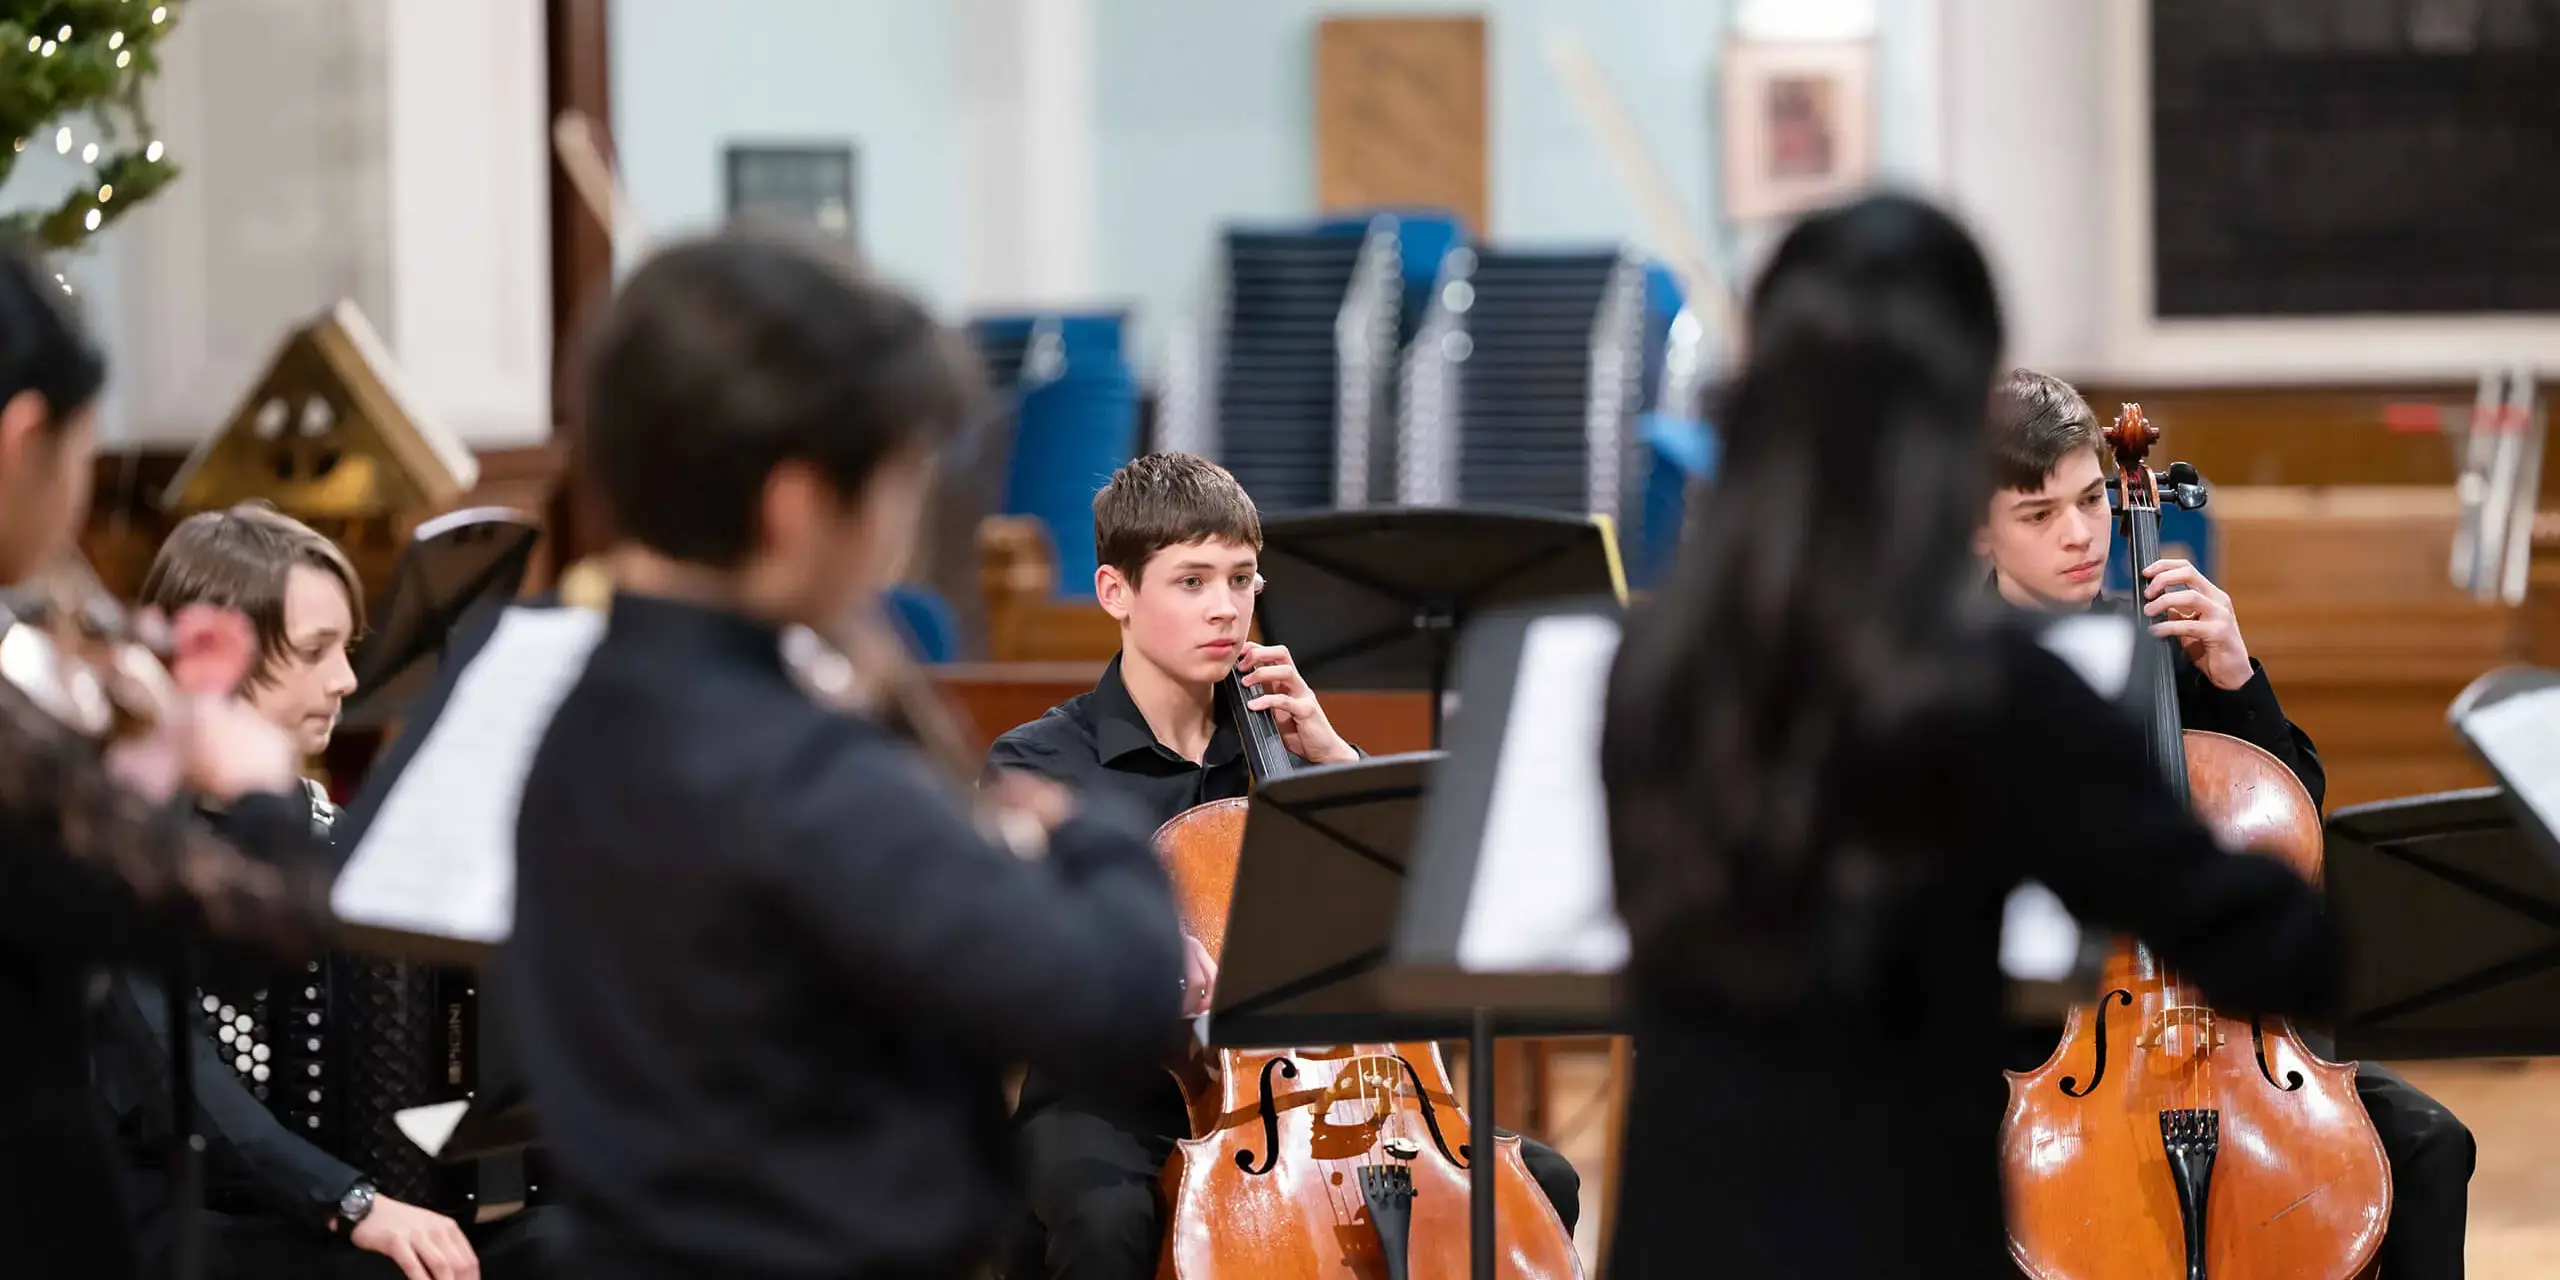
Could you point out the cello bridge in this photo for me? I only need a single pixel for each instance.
(2200, 1017)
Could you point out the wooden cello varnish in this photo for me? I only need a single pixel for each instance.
(1324, 1163)
(2165, 1139)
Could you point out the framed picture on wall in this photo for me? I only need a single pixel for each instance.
(803, 185)
(1799, 125)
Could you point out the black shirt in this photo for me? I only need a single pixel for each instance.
(766, 975)
(90, 873)
(1817, 1115)
(1091, 735)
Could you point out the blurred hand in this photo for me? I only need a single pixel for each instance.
(1025, 809)
(225, 750)
(1199, 977)
(427, 1245)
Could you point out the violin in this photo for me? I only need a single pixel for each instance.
(106, 672)
(2164, 1138)
(1349, 1161)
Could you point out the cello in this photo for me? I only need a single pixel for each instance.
(1331, 1163)
(2164, 1138)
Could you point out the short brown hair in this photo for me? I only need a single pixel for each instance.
(239, 559)
(1168, 500)
(2037, 420)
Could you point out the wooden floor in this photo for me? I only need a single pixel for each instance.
(2513, 1109)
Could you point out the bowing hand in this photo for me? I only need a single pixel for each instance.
(2200, 619)
(1276, 686)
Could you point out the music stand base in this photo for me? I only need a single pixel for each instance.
(1480, 1162)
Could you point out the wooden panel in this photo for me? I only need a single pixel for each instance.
(1400, 115)
(2345, 596)
(2300, 435)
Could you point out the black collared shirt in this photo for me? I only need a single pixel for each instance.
(766, 976)
(1099, 742)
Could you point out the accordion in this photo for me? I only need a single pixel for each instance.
(338, 1045)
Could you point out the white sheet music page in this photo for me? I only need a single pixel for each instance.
(1543, 901)
(2521, 737)
(440, 856)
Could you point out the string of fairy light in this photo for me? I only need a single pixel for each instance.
(127, 175)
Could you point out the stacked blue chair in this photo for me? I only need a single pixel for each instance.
(1278, 386)
(1540, 366)
(1076, 420)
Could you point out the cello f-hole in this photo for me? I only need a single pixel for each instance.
(1270, 1119)
(2071, 1087)
(2258, 1035)
(1422, 1097)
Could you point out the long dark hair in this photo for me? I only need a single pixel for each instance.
(1824, 598)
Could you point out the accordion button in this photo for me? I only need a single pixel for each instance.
(315, 1097)
(211, 1003)
(314, 1070)
(244, 1022)
(259, 995)
(311, 1122)
(228, 1013)
(259, 1052)
(312, 1018)
(259, 1073)
(226, 1035)
(313, 1044)
(311, 993)
(311, 966)
(241, 1064)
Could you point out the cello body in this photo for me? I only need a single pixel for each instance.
(2164, 1138)
(1326, 1163)
(2298, 1186)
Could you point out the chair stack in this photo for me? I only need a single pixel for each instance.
(1524, 381)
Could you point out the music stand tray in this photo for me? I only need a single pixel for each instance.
(2453, 928)
(1374, 599)
(2510, 718)
(1320, 885)
(453, 565)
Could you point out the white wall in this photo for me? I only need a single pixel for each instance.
(1085, 152)
(689, 78)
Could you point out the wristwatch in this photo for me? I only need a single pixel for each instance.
(355, 1204)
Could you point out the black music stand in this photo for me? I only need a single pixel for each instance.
(1320, 884)
(1374, 599)
(2451, 910)
(453, 564)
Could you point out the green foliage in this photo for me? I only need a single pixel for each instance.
(91, 82)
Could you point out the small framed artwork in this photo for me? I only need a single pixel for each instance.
(796, 185)
(1799, 125)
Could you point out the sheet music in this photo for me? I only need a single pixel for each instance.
(2520, 735)
(1542, 899)
(439, 858)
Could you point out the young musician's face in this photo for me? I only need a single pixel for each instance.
(2049, 547)
(44, 483)
(300, 689)
(1190, 610)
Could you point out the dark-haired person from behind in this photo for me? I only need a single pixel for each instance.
(1828, 762)
(100, 863)
(2046, 534)
(767, 975)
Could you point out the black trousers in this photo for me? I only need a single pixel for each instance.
(2431, 1155)
(1089, 1175)
(521, 1246)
